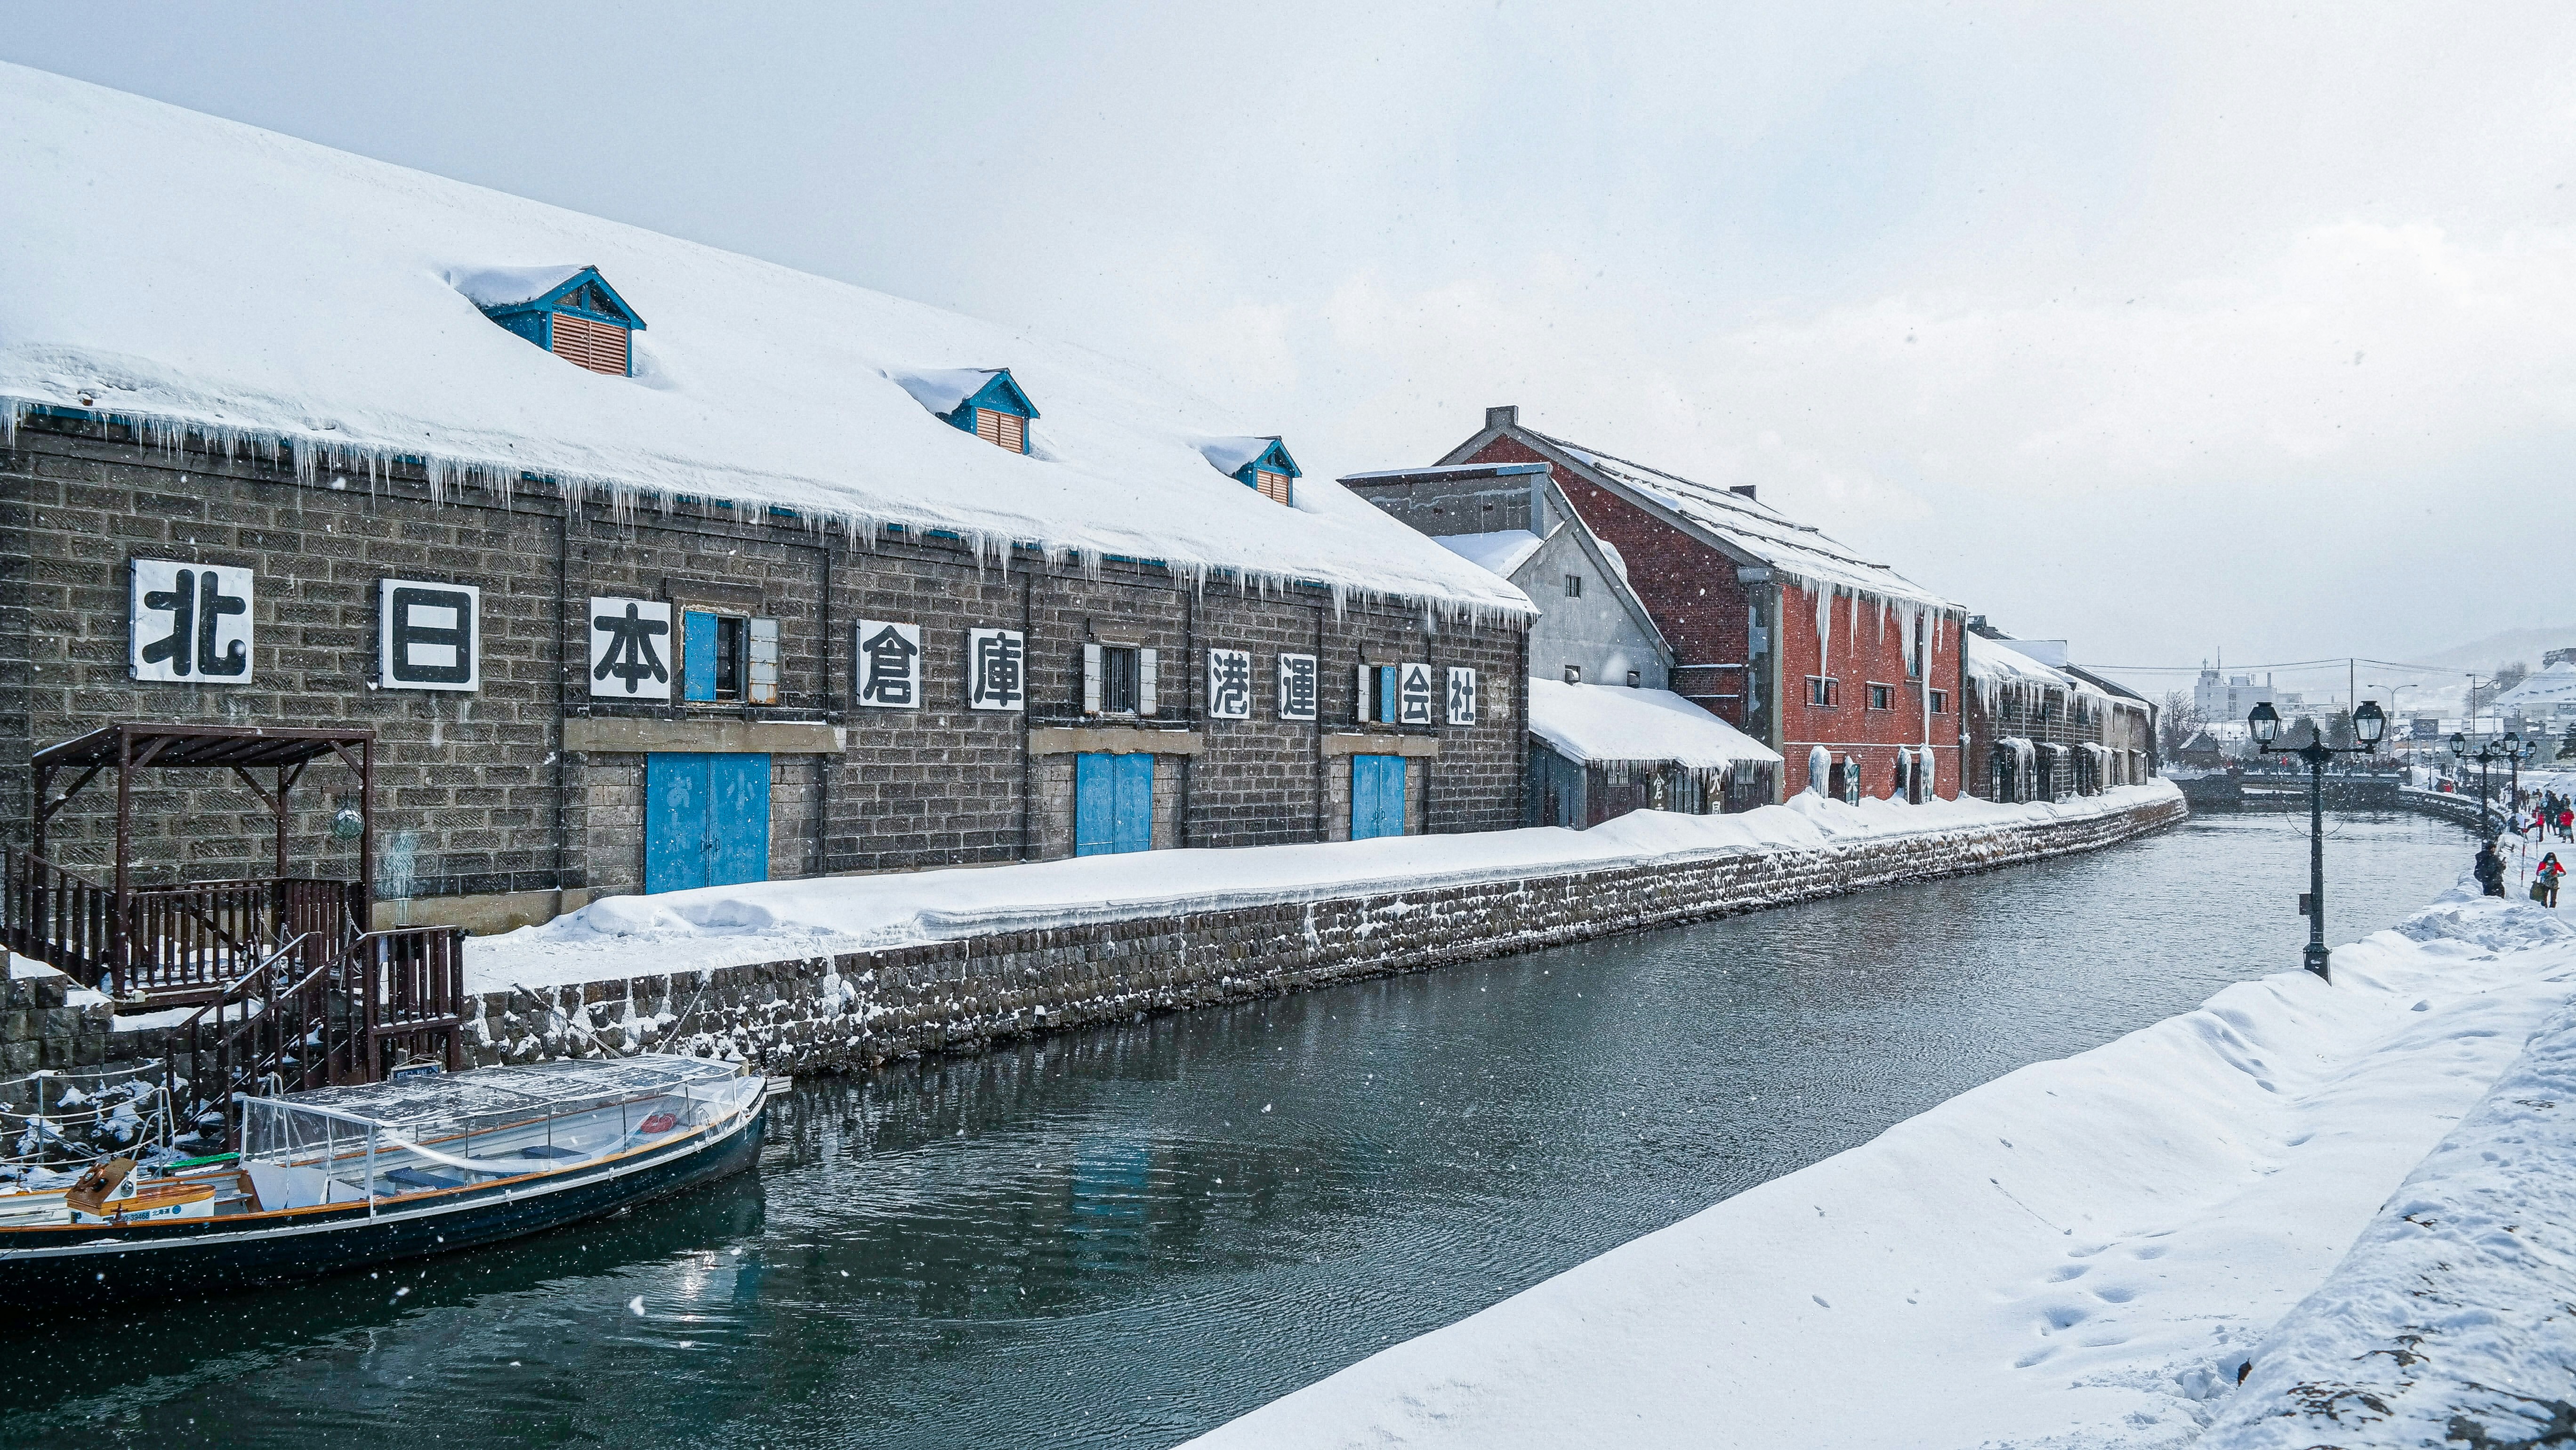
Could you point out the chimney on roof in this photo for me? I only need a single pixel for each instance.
(1745, 489)
(1506, 416)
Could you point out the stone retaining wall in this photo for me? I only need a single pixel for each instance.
(827, 1014)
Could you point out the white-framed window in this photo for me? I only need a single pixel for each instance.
(1118, 679)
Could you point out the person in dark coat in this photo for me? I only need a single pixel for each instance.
(2490, 869)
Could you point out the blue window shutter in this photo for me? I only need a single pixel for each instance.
(1095, 805)
(697, 655)
(1388, 709)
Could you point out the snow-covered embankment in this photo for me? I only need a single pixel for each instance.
(2085, 1252)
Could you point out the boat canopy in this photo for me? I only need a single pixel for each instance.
(493, 1121)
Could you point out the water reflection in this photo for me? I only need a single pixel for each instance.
(1127, 1235)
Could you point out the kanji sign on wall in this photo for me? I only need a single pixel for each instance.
(630, 649)
(996, 670)
(1461, 706)
(889, 669)
(1297, 687)
(190, 623)
(1229, 695)
(428, 636)
(1413, 694)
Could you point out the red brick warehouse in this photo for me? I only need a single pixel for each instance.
(1776, 627)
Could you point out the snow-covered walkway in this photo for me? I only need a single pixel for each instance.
(718, 926)
(2081, 1253)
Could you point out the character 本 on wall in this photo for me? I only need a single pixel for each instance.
(629, 655)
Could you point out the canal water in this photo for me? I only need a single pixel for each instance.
(1124, 1236)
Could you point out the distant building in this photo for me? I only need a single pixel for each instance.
(1835, 661)
(1607, 735)
(2045, 731)
(2545, 700)
(2234, 697)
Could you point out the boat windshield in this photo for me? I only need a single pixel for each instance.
(454, 1130)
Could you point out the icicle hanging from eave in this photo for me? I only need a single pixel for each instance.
(1824, 596)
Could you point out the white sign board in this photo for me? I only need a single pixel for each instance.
(1413, 693)
(1229, 684)
(996, 670)
(1461, 706)
(428, 636)
(190, 623)
(1297, 692)
(630, 649)
(889, 664)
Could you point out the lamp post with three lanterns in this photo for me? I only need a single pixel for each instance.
(2511, 748)
(2368, 723)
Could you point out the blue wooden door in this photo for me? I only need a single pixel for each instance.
(675, 822)
(1113, 803)
(1095, 804)
(706, 820)
(1377, 796)
(737, 819)
(1135, 802)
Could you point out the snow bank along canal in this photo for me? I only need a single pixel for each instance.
(1132, 1234)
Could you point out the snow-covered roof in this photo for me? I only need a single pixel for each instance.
(2546, 687)
(1501, 551)
(941, 390)
(1802, 551)
(193, 273)
(510, 286)
(1994, 662)
(1611, 722)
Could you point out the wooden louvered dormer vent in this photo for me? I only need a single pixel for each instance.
(1273, 485)
(1007, 430)
(594, 345)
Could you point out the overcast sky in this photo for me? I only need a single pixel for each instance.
(2185, 328)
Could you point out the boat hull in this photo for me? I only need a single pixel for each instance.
(82, 1266)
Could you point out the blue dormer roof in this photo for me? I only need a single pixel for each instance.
(569, 311)
(956, 395)
(507, 292)
(1245, 459)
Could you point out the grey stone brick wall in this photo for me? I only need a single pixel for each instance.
(475, 794)
(833, 1013)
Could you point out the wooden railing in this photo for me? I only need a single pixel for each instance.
(56, 917)
(411, 994)
(264, 1032)
(181, 944)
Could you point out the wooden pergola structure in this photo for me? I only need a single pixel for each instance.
(182, 943)
(292, 987)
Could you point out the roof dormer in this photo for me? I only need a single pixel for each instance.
(1260, 464)
(986, 402)
(569, 311)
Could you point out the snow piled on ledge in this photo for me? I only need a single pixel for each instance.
(716, 926)
(2088, 1252)
(195, 275)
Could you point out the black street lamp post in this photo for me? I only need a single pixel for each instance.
(2367, 724)
(2511, 748)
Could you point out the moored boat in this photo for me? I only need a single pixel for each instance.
(354, 1177)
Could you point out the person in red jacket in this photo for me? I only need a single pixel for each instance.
(2546, 875)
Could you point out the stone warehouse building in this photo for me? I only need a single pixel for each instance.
(2041, 728)
(792, 579)
(1847, 669)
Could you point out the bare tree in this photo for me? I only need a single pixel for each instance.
(2177, 720)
